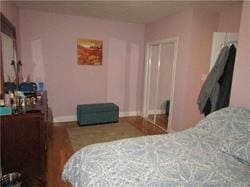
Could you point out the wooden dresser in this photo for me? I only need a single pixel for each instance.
(24, 140)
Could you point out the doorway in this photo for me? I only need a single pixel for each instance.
(159, 82)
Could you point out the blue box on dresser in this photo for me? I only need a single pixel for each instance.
(97, 113)
(5, 110)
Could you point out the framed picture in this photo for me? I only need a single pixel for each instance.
(89, 52)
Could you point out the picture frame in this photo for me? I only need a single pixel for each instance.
(89, 51)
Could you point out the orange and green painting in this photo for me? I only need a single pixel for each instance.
(89, 52)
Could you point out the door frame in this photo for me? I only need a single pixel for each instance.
(148, 60)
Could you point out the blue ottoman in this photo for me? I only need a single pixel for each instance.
(97, 113)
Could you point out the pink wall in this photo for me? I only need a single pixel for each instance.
(229, 20)
(177, 25)
(49, 54)
(204, 23)
(241, 87)
(194, 28)
(10, 10)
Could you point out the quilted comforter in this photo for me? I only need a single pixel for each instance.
(194, 157)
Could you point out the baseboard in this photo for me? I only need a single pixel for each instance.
(156, 112)
(131, 113)
(74, 118)
(64, 119)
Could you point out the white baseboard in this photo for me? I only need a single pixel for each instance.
(156, 112)
(130, 113)
(64, 118)
(74, 118)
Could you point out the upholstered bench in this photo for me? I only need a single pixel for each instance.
(97, 113)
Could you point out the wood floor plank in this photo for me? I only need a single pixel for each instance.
(60, 149)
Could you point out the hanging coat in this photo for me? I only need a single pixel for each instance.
(225, 80)
(210, 88)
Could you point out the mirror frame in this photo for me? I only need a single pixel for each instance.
(9, 29)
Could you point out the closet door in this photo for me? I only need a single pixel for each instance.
(153, 73)
(161, 66)
(164, 84)
(161, 57)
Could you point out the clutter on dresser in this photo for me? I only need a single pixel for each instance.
(21, 98)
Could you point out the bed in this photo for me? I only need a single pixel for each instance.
(216, 152)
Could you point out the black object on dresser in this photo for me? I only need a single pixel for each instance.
(24, 141)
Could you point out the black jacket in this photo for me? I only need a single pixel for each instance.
(225, 80)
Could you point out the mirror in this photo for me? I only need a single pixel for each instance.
(9, 58)
(159, 82)
(9, 65)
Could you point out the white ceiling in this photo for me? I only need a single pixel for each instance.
(129, 11)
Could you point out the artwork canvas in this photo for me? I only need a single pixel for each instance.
(89, 52)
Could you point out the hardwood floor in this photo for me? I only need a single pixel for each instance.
(161, 120)
(60, 150)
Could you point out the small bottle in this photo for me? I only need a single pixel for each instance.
(23, 102)
(7, 99)
(1, 102)
(13, 101)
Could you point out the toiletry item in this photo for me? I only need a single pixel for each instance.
(12, 100)
(1, 102)
(41, 87)
(33, 100)
(22, 102)
(7, 99)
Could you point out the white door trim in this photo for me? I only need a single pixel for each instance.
(147, 77)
